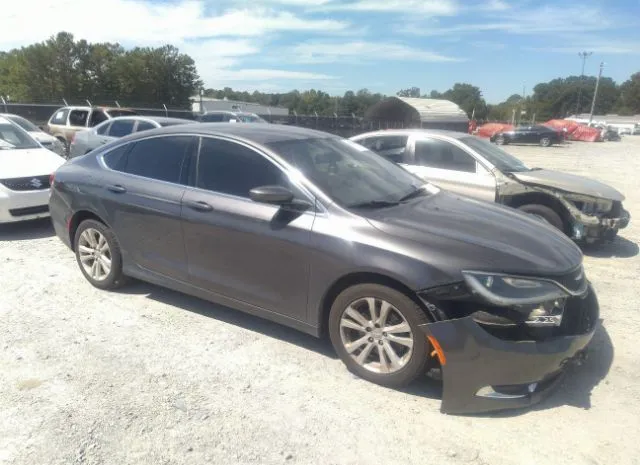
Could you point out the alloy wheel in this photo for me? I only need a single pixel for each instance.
(376, 335)
(95, 254)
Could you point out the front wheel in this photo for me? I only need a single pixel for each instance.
(545, 213)
(98, 255)
(374, 330)
(500, 140)
(545, 141)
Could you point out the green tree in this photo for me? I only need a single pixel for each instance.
(629, 103)
(410, 92)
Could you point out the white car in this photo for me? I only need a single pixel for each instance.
(25, 168)
(46, 140)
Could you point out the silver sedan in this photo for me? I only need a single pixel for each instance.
(85, 141)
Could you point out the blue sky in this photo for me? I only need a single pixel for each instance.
(337, 45)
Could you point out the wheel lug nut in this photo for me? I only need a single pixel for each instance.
(368, 329)
(370, 339)
(377, 325)
(384, 334)
(380, 342)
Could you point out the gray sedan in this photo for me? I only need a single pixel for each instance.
(318, 233)
(112, 129)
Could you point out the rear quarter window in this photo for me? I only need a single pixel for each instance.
(60, 117)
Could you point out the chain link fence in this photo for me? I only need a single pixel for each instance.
(345, 126)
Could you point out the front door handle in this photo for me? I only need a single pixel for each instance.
(117, 189)
(199, 205)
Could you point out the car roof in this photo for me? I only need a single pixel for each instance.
(257, 133)
(407, 132)
(157, 119)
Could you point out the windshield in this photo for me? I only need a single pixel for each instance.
(495, 155)
(348, 173)
(24, 124)
(14, 137)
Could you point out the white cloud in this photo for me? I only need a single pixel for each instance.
(422, 7)
(542, 20)
(330, 52)
(144, 22)
(495, 5)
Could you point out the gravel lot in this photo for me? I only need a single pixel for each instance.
(149, 376)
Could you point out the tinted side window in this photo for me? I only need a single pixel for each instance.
(158, 158)
(121, 128)
(234, 169)
(391, 147)
(60, 117)
(213, 118)
(78, 118)
(114, 159)
(102, 130)
(444, 155)
(144, 126)
(97, 117)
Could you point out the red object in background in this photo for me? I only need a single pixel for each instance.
(473, 124)
(561, 124)
(489, 129)
(586, 134)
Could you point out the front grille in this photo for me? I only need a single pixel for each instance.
(31, 183)
(29, 210)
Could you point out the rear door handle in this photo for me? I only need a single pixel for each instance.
(117, 189)
(199, 206)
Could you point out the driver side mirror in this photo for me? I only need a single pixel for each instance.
(276, 195)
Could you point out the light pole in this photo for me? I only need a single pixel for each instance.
(583, 56)
(595, 93)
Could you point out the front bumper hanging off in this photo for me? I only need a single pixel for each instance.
(594, 229)
(481, 372)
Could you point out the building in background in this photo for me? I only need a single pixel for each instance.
(205, 104)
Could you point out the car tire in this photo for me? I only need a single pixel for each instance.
(96, 246)
(501, 140)
(545, 142)
(364, 358)
(545, 213)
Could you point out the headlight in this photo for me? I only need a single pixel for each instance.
(590, 205)
(504, 290)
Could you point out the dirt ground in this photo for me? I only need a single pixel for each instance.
(149, 376)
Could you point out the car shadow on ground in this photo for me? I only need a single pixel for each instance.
(26, 230)
(231, 316)
(620, 248)
(579, 381)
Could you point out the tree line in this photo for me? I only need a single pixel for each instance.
(63, 67)
(75, 70)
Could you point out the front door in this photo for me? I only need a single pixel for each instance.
(252, 252)
(450, 167)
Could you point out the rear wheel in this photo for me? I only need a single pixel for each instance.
(545, 141)
(98, 255)
(500, 140)
(374, 329)
(545, 213)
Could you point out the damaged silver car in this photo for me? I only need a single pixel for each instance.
(586, 210)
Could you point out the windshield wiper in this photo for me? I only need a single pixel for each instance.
(416, 193)
(375, 204)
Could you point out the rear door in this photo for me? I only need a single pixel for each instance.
(256, 253)
(450, 167)
(143, 193)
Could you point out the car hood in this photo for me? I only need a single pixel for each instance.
(42, 136)
(569, 183)
(457, 233)
(28, 162)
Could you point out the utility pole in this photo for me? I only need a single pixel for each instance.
(595, 93)
(583, 56)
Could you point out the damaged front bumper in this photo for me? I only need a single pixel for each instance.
(484, 370)
(592, 229)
